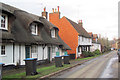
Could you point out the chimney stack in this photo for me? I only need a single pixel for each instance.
(44, 13)
(80, 23)
(53, 16)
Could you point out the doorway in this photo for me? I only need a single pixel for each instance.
(27, 51)
(49, 52)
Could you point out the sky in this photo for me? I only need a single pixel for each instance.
(98, 16)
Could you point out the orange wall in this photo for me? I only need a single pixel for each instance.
(68, 34)
(66, 31)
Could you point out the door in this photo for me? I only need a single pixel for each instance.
(27, 51)
(49, 51)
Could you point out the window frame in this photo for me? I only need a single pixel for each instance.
(3, 50)
(53, 49)
(6, 22)
(34, 25)
(34, 49)
(53, 33)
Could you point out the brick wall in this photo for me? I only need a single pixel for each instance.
(66, 31)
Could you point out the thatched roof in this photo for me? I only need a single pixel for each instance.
(21, 32)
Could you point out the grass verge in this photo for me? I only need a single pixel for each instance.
(42, 71)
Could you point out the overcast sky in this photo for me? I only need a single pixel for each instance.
(98, 16)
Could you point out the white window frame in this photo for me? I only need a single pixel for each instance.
(34, 49)
(36, 29)
(53, 33)
(6, 22)
(53, 49)
(4, 51)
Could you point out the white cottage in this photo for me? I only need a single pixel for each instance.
(95, 44)
(24, 35)
(84, 39)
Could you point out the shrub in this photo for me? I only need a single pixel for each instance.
(91, 54)
(85, 53)
(97, 52)
(88, 54)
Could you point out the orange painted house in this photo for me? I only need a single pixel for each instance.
(72, 34)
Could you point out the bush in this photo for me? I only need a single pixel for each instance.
(91, 54)
(85, 53)
(97, 52)
(88, 54)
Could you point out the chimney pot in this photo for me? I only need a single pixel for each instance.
(44, 13)
(58, 8)
(80, 23)
(53, 10)
(44, 9)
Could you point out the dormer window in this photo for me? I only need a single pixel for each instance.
(34, 29)
(3, 22)
(53, 33)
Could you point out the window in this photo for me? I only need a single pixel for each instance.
(34, 29)
(34, 49)
(3, 22)
(3, 50)
(53, 33)
(53, 50)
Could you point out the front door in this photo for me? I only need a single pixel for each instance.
(49, 51)
(27, 51)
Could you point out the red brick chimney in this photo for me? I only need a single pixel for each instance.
(80, 23)
(44, 13)
(55, 16)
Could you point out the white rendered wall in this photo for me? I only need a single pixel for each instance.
(84, 41)
(95, 46)
(16, 53)
(22, 54)
(8, 57)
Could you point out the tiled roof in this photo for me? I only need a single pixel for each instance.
(79, 29)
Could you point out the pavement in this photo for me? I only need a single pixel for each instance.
(105, 66)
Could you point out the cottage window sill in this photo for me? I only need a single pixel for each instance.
(3, 55)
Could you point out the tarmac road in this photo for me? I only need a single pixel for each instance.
(105, 66)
